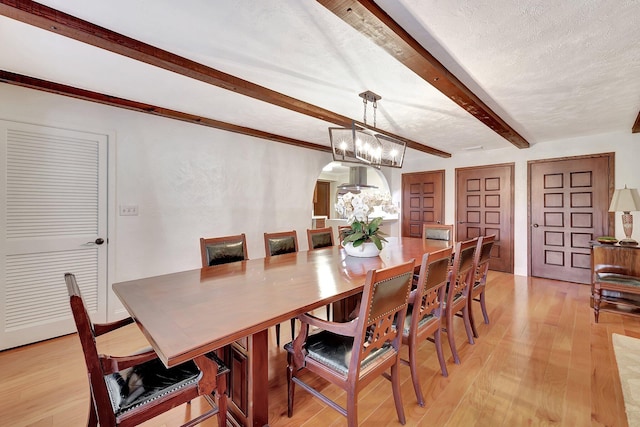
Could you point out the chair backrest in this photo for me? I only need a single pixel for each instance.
(280, 243)
(320, 238)
(483, 257)
(341, 229)
(428, 297)
(86, 333)
(221, 250)
(438, 232)
(384, 301)
(462, 270)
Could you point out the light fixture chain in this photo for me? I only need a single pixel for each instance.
(364, 117)
(375, 108)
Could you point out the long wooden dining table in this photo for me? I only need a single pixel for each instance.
(187, 314)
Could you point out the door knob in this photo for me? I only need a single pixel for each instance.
(98, 241)
(535, 226)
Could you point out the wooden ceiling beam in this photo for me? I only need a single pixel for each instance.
(374, 23)
(49, 19)
(636, 125)
(87, 95)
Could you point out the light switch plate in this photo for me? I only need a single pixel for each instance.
(128, 210)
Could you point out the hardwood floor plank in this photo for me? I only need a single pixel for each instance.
(541, 361)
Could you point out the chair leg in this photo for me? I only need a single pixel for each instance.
(483, 305)
(471, 319)
(467, 323)
(451, 338)
(397, 394)
(278, 335)
(352, 408)
(290, 385)
(415, 377)
(221, 388)
(92, 419)
(437, 338)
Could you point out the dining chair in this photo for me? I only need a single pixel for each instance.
(279, 244)
(442, 232)
(341, 230)
(129, 390)
(425, 312)
(221, 250)
(458, 288)
(353, 354)
(319, 238)
(481, 260)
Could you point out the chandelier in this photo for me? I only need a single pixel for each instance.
(364, 144)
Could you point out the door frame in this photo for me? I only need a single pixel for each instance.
(611, 156)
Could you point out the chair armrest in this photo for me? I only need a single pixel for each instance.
(103, 328)
(111, 364)
(609, 268)
(346, 328)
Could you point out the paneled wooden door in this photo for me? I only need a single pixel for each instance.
(422, 201)
(568, 204)
(484, 206)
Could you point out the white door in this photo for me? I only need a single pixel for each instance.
(53, 187)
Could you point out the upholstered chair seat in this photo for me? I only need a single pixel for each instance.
(133, 388)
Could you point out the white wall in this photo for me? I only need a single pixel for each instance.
(188, 181)
(626, 147)
(191, 181)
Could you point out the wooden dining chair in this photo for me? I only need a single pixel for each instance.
(281, 243)
(128, 390)
(284, 242)
(481, 260)
(353, 354)
(319, 238)
(443, 232)
(425, 313)
(221, 250)
(341, 230)
(458, 288)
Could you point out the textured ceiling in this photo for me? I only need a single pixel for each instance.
(551, 70)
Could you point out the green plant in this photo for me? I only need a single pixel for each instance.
(363, 231)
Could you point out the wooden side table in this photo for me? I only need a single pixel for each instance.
(615, 279)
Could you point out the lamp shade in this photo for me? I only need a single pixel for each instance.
(625, 200)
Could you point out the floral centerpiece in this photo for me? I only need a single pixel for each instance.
(357, 208)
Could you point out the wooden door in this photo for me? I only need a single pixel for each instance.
(568, 204)
(321, 196)
(422, 201)
(54, 220)
(484, 206)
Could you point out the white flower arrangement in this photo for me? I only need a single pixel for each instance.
(357, 208)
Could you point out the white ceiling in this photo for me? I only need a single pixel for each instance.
(551, 69)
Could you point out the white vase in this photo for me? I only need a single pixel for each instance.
(365, 250)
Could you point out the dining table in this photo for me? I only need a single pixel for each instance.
(187, 314)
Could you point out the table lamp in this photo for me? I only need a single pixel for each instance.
(626, 200)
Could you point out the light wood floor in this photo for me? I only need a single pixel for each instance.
(541, 361)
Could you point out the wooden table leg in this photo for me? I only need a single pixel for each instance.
(258, 353)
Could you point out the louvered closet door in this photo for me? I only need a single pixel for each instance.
(54, 193)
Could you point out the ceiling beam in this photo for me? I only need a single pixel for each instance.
(374, 23)
(636, 125)
(87, 95)
(49, 19)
